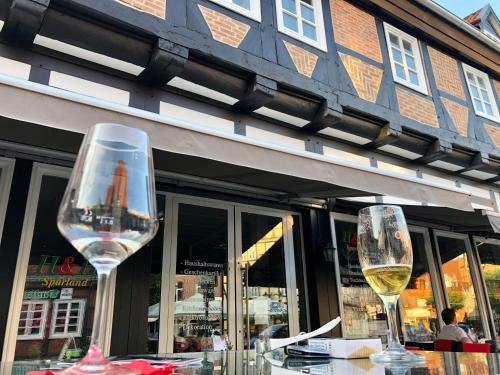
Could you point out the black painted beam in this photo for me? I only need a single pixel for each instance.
(24, 20)
(478, 161)
(328, 115)
(167, 61)
(388, 134)
(493, 179)
(438, 150)
(259, 93)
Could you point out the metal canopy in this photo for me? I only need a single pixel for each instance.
(220, 155)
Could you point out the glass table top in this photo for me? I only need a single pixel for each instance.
(277, 363)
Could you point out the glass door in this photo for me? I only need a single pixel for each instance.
(266, 283)
(201, 253)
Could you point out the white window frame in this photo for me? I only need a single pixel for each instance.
(422, 86)
(43, 319)
(65, 334)
(252, 13)
(479, 74)
(320, 43)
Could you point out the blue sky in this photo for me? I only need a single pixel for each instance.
(463, 8)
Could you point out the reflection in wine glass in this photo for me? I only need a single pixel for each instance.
(386, 259)
(108, 212)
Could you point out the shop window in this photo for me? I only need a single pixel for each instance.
(417, 302)
(363, 311)
(460, 290)
(481, 93)
(248, 8)
(406, 61)
(302, 20)
(32, 320)
(489, 256)
(67, 318)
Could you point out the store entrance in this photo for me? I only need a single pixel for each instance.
(230, 276)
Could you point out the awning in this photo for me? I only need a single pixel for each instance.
(246, 161)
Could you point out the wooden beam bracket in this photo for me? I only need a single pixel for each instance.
(478, 161)
(167, 61)
(388, 134)
(328, 115)
(24, 20)
(259, 93)
(438, 150)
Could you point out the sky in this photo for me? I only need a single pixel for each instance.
(463, 8)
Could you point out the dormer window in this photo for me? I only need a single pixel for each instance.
(247, 8)
(481, 93)
(302, 20)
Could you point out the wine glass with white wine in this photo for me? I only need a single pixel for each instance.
(108, 212)
(386, 259)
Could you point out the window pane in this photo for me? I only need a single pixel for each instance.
(290, 22)
(407, 48)
(289, 5)
(299, 273)
(410, 61)
(413, 77)
(394, 41)
(364, 314)
(417, 303)
(396, 55)
(488, 108)
(309, 31)
(400, 71)
(474, 91)
(484, 95)
(480, 81)
(489, 256)
(478, 105)
(307, 12)
(243, 3)
(458, 281)
(470, 78)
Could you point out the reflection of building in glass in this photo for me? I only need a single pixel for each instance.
(116, 195)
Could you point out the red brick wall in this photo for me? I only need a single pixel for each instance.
(494, 134)
(365, 77)
(155, 7)
(355, 29)
(417, 107)
(459, 115)
(304, 61)
(224, 29)
(446, 73)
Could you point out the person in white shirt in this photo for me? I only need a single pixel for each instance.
(451, 331)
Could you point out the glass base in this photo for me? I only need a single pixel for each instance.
(398, 357)
(94, 363)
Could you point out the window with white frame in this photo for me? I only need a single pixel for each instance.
(248, 8)
(32, 320)
(406, 61)
(481, 93)
(67, 318)
(303, 20)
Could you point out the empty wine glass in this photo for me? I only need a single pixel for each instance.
(386, 259)
(108, 212)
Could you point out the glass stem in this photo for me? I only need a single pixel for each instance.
(393, 336)
(101, 308)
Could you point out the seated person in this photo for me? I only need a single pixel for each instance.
(451, 331)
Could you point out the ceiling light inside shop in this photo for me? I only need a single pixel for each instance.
(1, 25)
(345, 136)
(88, 55)
(479, 174)
(445, 165)
(183, 84)
(400, 152)
(268, 112)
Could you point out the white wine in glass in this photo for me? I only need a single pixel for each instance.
(108, 212)
(386, 259)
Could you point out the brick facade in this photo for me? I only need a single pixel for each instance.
(155, 7)
(304, 61)
(497, 87)
(494, 134)
(355, 29)
(446, 73)
(365, 77)
(459, 115)
(417, 107)
(224, 29)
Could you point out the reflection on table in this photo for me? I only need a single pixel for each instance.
(276, 363)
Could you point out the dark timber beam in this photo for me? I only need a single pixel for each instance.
(259, 93)
(478, 161)
(328, 115)
(436, 151)
(388, 134)
(24, 20)
(493, 179)
(167, 61)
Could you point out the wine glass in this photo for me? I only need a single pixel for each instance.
(108, 212)
(386, 259)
